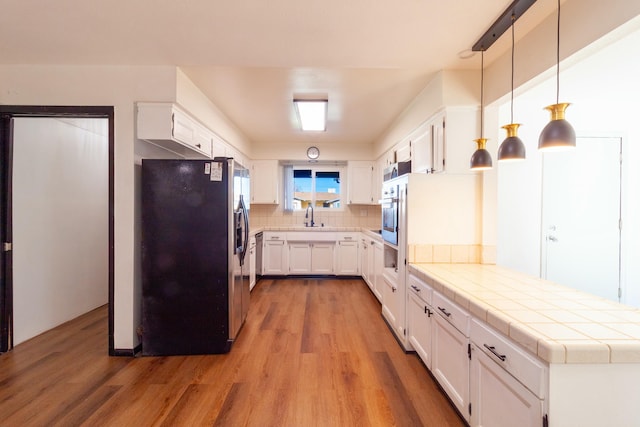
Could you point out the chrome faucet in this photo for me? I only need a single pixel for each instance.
(306, 215)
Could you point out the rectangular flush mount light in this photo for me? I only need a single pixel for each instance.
(312, 114)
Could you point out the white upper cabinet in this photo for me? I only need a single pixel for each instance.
(361, 183)
(456, 130)
(421, 148)
(265, 178)
(403, 150)
(437, 127)
(170, 127)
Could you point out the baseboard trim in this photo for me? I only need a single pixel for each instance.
(127, 352)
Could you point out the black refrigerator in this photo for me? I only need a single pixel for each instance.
(195, 228)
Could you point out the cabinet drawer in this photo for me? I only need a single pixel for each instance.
(526, 369)
(421, 289)
(453, 313)
(347, 236)
(275, 236)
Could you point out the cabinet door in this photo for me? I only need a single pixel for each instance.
(182, 127)
(377, 268)
(264, 182)
(450, 363)
(347, 258)
(299, 258)
(274, 257)
(202, 139)
(422, 147)
(497, 398)
(403, 150)
(364, 261)
(360, 187)
(438, 143)
(390, 302)
(322, 258)
(419, 327)
(252, 262)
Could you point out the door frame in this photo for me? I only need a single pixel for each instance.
(7, 114)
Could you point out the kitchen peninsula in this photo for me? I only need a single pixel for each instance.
(578, 354)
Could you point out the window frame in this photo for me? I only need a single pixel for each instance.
(322, 168)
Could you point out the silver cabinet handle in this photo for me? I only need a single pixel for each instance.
(492, 349)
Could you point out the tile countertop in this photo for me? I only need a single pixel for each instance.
(554, 322)
(254, 231)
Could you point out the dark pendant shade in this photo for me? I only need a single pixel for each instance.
(512, 148)
(481, 159)
(558, 134)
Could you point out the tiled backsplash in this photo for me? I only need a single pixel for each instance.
(456, 254)
(351, 216)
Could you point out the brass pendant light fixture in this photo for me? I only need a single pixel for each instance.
(558, 134)
(481, 159)
(512, 148)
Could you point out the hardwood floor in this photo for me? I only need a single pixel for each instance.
(313, 352)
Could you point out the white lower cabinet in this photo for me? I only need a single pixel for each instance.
(450, 363)
(311, 258)
(347, 257)
(252, 262)
(392, 300)
(322, 257)
(364, 261)
(377, 267)
(274, 255)
(419, 315)
(508, 385)
(299, 258)
(497, 398)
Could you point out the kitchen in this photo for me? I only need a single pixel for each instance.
(123, 86)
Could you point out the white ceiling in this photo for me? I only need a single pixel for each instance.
(371, 57)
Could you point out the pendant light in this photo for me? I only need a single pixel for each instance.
(512, 148)
(481, 159)
(558, 134)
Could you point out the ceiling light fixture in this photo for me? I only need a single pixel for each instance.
(512, 148)
(481, 159)
(312, 114)
(558, 134)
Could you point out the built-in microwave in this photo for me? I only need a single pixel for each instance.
(390, 212)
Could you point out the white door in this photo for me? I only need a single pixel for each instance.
(581, 217)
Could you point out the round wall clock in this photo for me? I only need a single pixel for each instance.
(313, 153)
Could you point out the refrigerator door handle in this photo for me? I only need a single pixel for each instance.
(245, 217)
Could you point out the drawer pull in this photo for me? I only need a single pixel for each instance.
(492, 349)
(444, 311)
(415, 288)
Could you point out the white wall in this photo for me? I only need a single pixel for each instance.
(450, 88)
(119, 86)
(60, 221)
(298, 151)
(195, 102)
(603, 89)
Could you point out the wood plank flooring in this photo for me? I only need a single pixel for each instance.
(313, 352)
